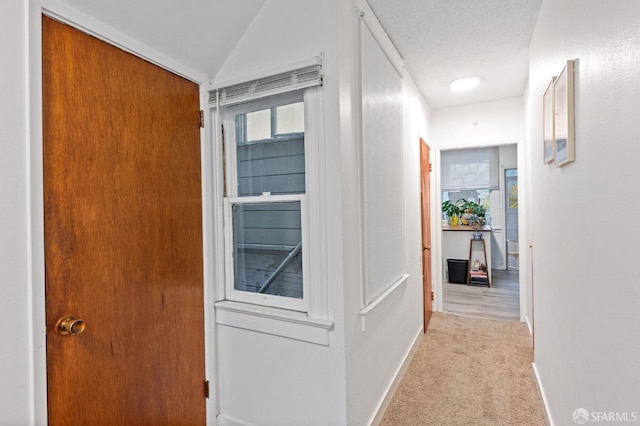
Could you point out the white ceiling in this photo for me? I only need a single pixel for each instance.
(200, 34)
(441, 40)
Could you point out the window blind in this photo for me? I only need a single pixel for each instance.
(299, 78)
(464, 169)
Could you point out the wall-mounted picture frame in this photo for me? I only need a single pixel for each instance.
(548, 123)
(564, 118)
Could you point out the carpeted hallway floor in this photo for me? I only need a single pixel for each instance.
(469, 371)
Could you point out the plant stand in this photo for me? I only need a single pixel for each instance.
(476, 276)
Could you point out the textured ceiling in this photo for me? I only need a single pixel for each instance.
(199, 34)
(441, 40)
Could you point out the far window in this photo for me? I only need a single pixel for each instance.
(266, 202)
(470, 174)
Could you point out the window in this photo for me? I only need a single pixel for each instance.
(265, 206)
(480, 196)
(470, 174)
(269, 186)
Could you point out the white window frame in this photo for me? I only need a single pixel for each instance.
(227, 118)
(315, 325)
(291, 303)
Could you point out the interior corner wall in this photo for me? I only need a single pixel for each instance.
(16, 370)
(585, 238)
(375, 356)
(266, 379)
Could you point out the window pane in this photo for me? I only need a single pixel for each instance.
(290, 118)
(267, 246)
(274, 165)
(259, 125)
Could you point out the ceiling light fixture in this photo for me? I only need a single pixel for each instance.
(465, 83)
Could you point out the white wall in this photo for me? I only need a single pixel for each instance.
(486, 124)
(375, 355)
(15, 302)
(585, 237)
(321, 380)
(266, 379)
(317, 384)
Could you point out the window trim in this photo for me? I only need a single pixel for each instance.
(276, 322)
(316, 200)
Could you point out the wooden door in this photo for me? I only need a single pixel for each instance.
(425, 194)
(123, 236)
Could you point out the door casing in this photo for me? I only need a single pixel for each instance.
(523, 231)
(425, 207)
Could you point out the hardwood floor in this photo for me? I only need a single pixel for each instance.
(501, 301)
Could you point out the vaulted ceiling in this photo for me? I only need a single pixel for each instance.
(180, 29)
(439, 40)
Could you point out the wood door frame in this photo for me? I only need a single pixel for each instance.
(36, 191)
(427, 227)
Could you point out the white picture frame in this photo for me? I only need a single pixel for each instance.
(549, 149)
(564, 116)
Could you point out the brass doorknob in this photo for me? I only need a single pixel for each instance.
(70, 326)
(427, 248)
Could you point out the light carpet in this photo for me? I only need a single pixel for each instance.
(469, 371)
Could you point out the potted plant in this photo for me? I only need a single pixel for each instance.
(480, 210)
(467, 214)
(452, 210)
(478, 223)
(471, 211)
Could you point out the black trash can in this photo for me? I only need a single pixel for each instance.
(458, 270)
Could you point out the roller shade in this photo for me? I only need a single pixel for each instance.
(465, 169)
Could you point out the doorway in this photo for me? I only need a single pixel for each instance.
(479, 175)
(123, 236)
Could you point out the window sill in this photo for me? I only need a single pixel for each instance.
(277, 322)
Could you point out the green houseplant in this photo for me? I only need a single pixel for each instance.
(452, 210)
(473, 208)
(471, 211)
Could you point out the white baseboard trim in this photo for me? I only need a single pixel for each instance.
(527, 320)
(391, 389)
(223, 420)
(543, 396)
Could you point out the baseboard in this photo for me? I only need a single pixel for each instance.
(223, 420)
(527, 320)
(543, 396)
(391, 390)
(532, 338)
